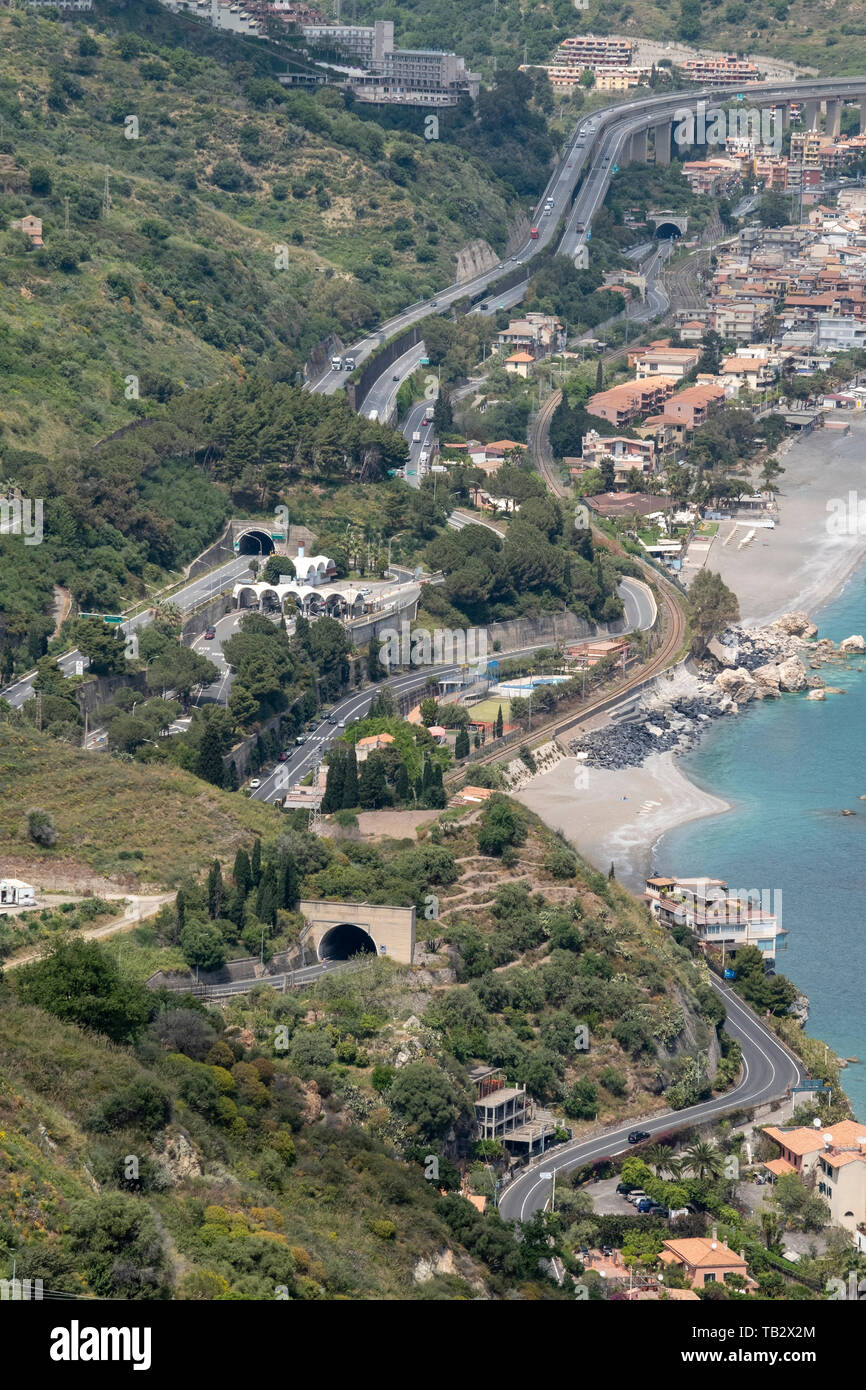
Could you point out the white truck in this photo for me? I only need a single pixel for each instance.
(336, 364)
(373, 415)
(424, 456)
(416, 437)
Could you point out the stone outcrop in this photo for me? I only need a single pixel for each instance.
(796, 624)
(738, 683)
(816, 695)
(855, 643)
(792, 674)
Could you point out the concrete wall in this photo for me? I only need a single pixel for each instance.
(100, 690)
(206, 617)
(221, 550)
(391, 928)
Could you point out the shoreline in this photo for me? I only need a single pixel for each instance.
(619, 816)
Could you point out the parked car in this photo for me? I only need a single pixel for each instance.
(255, 784)
(644, 1205)
(210, 634)
(624, 1188)
(636, 1196)
(637, 1136)
(658, 1210)
(283, 757)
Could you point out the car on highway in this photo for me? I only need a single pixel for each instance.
(579, 227)
(255, 784)
(637, 1136)
(283, 757)
(433, 304)
(332, 719)
(209, 634)
(396, 376)
(571, 166)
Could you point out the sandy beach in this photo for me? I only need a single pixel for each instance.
(799, 564)
(615, 817)
(618, 816)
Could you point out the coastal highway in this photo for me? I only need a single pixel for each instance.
(767, 1070)
(197, 592)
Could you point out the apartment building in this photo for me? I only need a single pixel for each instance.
(834, 1160)
(538, 334)
(625, 452)
(714, 916)
(755, 373)
(690, 408)
(592, 50)
(727, 71)
(711, 175)
(404, 76)
(620, 405)
(740, 320)
(654, 361)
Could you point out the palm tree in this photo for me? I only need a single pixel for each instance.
(703, 1160)
(659, 1158)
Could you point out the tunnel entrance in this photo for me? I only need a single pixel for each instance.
(255, 543)
(668, 231)
(345, 941)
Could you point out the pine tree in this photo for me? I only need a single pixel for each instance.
(461, 745)
(215, 890)
(256, 863)
(242, 873)
(333, 797)
(611, 873)
(350, 785)
(497, 728)
(210, 756)
(179, 911)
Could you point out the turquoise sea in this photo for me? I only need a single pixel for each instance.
(789, 767)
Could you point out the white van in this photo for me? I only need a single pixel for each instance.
(416, 437)
(373, 415)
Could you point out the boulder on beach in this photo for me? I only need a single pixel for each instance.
(815, 682)
(767, 678)
(725, 656)
(816, 695)
(797, 624)
(855, 643)
(738, 684)
(792, 674)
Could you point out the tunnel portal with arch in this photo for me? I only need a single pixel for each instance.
(339, 931)
(255, 542)
(345, 941)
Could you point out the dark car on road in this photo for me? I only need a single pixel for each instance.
(283, 757)
(332, 719)
(210, 634)
(637, 1136)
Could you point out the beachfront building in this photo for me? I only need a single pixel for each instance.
(717, 917)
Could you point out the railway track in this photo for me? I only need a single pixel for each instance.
(673, 620)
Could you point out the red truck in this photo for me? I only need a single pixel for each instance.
(534, 234)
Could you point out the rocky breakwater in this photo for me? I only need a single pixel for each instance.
(742, 665)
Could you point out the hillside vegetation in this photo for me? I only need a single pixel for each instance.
(815, 35)
(150, 824)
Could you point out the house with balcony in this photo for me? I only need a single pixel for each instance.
(626, 453)
(716, 917)
(664, 361)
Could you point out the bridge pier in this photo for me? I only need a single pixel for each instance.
(662, 142)
(833, 120)
(810, 114)
(639, 146)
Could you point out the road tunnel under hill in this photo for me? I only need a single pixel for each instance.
(344, 941)
(255, 543)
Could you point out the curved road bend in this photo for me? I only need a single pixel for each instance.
(768, 1068)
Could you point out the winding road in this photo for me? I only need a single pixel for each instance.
(768, 1070)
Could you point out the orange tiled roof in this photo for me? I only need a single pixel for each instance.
(698, 1252)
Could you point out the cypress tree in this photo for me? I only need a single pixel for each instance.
(497, 728)
(266, 898)
(209, 764)
(215, 890)
(179, 913)
(599, 376)
(288, 880)
(231, 777)
(401, 783)
(333, 797)
(350, 784)
(373, 789)
(242, 873)
(256, 863)
(461, 746)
